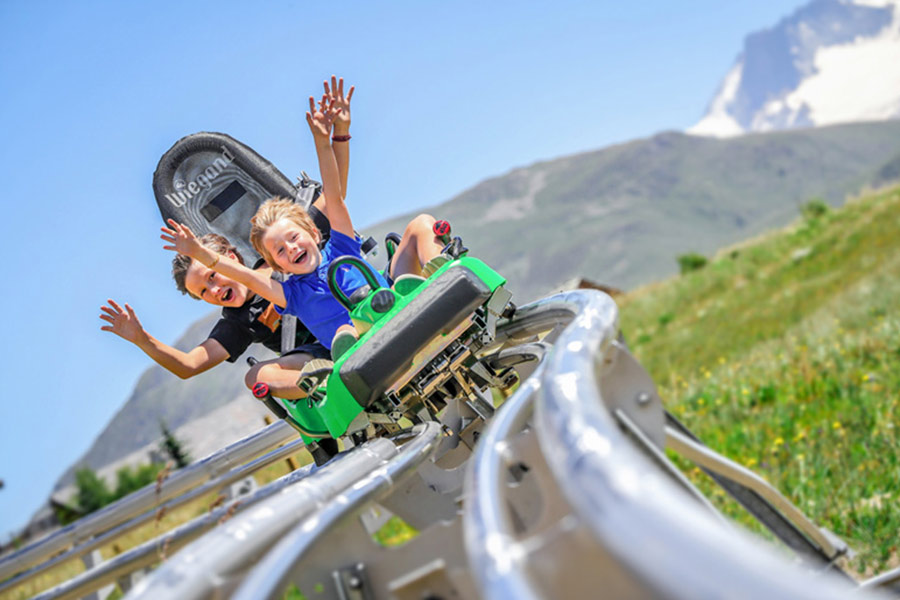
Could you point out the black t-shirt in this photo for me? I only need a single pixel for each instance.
(254, 322)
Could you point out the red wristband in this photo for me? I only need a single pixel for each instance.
(340, 138)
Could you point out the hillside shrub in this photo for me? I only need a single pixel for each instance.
(814, 209)
(131, 480)
(691, 262)
(174, 447)
(93, 493)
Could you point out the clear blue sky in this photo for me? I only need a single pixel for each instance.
(448, 93)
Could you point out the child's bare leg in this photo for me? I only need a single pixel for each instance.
(280, 374)
(418, 246)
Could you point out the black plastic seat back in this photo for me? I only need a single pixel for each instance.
(214, 184)
(437, 309)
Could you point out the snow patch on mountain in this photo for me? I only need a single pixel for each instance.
(854, 82)
(830, 62)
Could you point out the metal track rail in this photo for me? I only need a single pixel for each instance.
(494, 551)
(147, 498)
(270, 576)
(655, 531)
(745, 479)
(235, 474)
(167, 544)
(215, 564)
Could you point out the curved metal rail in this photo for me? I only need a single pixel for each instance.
(148, 498)
(491, 542)
(218, 562)
(270, 576)
(659, 537)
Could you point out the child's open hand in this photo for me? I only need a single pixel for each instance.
(335, 93)
(182, 240)
(123, 323)
(321, 118)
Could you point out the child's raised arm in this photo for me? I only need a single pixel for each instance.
(124, 323)
(340, 136)
(183, 241)
(320, 123)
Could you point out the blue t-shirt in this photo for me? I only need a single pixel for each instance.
(309, 299)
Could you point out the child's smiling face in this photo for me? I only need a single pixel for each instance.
(204, 283)
(292, 247)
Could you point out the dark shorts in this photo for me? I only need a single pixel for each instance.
(316, 349)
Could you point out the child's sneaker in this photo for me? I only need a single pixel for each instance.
(313, 375)
(431, 267)
(342, 342)
(406, 283)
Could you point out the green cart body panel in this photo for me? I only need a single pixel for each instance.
(420, 311)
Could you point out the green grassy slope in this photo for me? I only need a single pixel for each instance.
(784, 354)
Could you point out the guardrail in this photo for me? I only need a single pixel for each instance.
(218, 561)
(146, 500)
(235, 474)
(165, 545)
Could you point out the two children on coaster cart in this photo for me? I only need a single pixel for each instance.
(211, 269)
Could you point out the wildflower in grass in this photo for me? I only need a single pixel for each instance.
(745, 392)
(750, 462)
(721, 360)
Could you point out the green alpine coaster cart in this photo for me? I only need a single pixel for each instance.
(422, 341)
(420, 346)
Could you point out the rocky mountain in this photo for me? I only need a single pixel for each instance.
(832, 61)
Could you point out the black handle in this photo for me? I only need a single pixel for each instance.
(361, 266)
